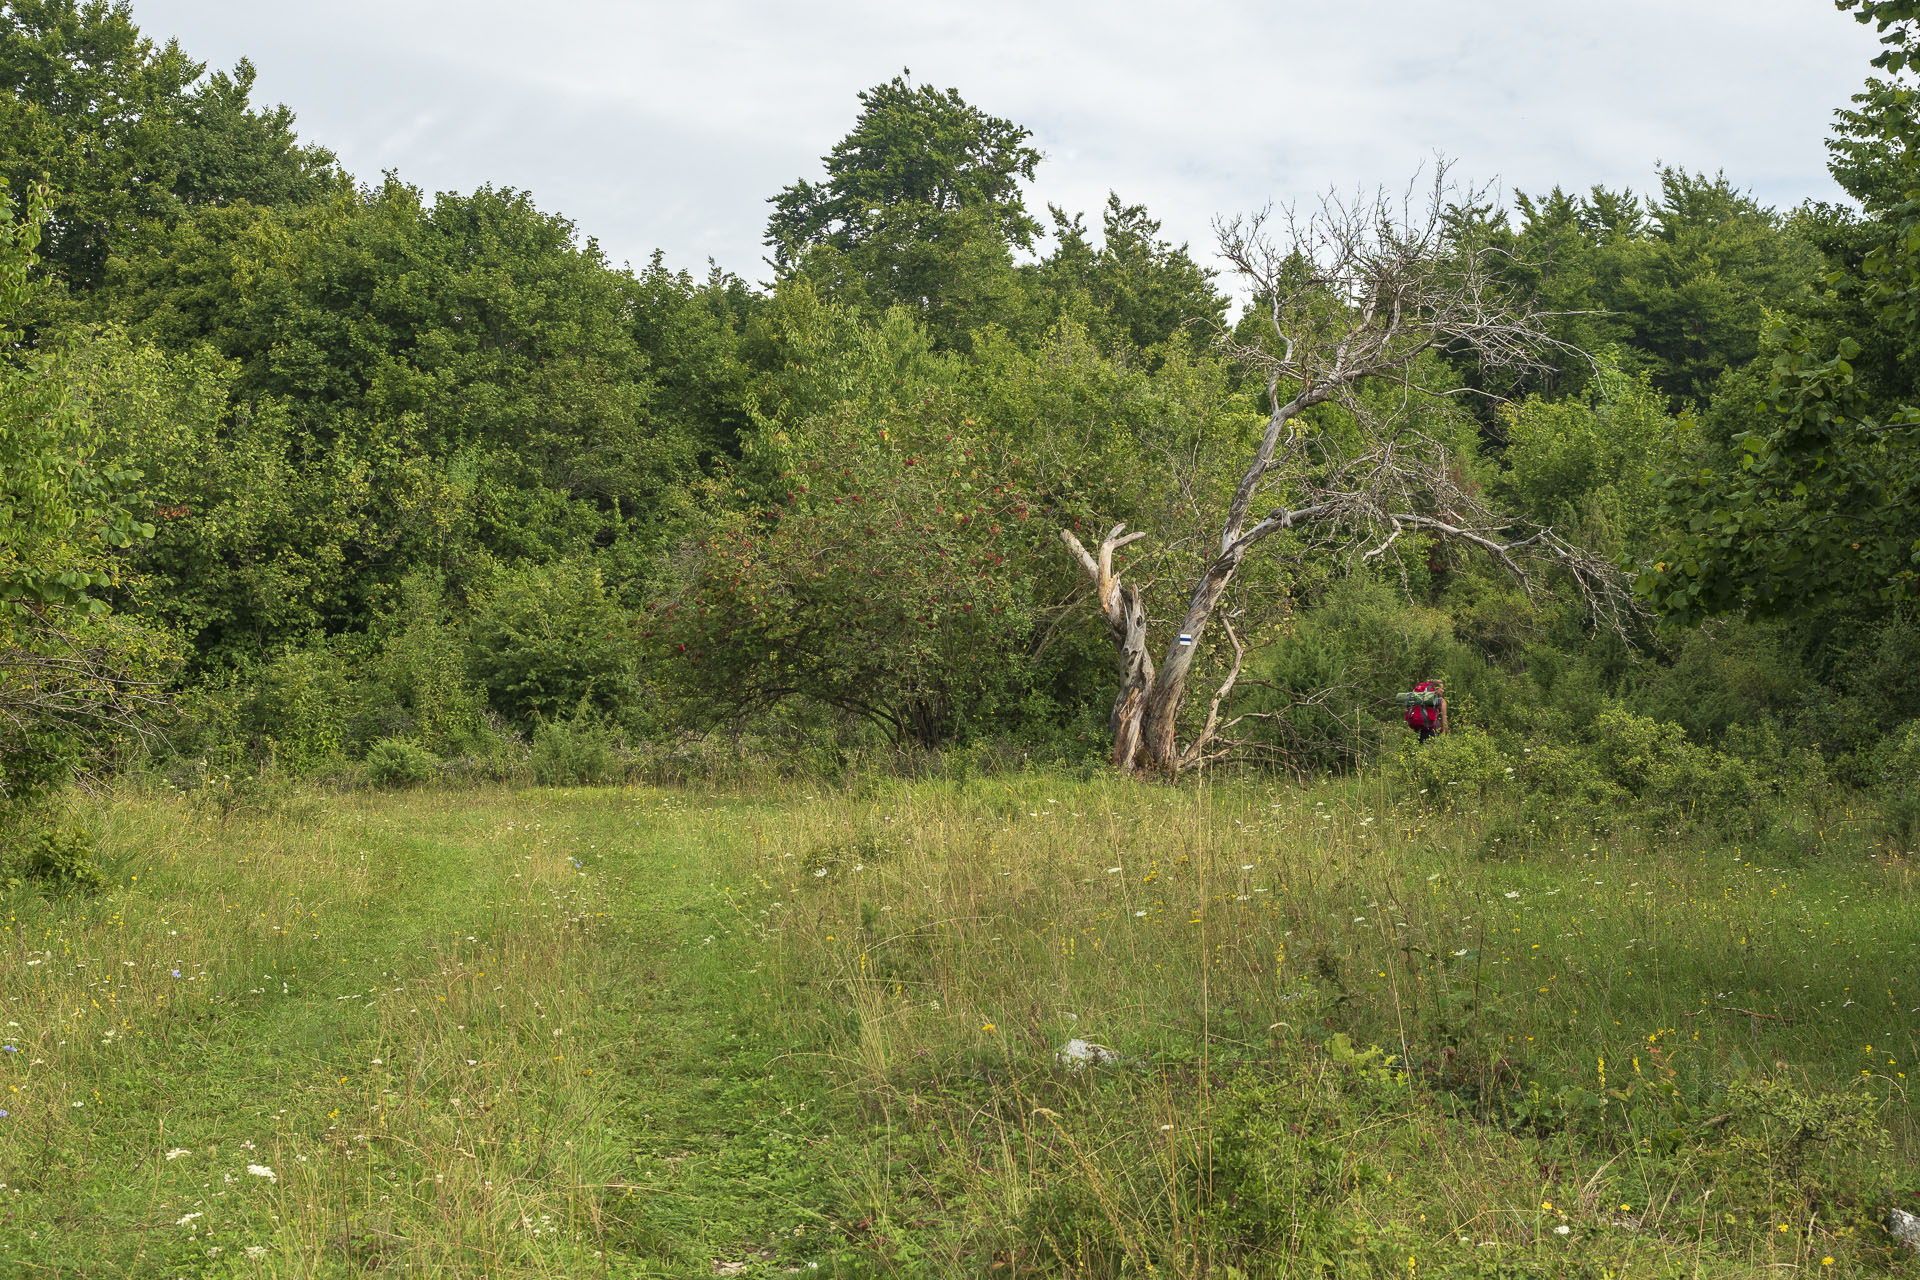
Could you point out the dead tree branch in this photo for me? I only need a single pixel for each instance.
(1356, 297)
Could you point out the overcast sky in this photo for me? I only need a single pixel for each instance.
(667, 126)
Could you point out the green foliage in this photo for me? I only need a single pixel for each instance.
(1818, 507)
(1788, 1148)
(62, 507)
(579, 751)
(1135, 288)
(129, 135)
(411, 388)
(418, 684)
(74, 681)
(1452, 769)
(414, 465)
(1654, 762)
(1897, 764)
(549, 638)
(55, 859)
(1587, 464)
(1283, 1180)
(1681, 283)
(1816, 504)
(298, 710)
(895, 556)
(920, 208)
(397, 762)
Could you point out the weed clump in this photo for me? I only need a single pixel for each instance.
(56, 859)
(396, 762)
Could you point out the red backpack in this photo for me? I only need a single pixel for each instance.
(1425, 716)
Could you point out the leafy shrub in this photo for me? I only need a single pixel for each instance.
(1788, 1151)
(396, 762)
(577, 752)
(1454, 766)
(1564, 773)
(1362, 633)
(56, 859)
(498, 755)
(1283, 1174)
(1897, 778)
(297, 709)
(418, 686)
(1655, 763)
(549, 637)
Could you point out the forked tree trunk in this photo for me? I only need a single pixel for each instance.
(1146, 711)
(1356, 294)
(1126, 618)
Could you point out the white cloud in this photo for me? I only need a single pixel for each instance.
(668, 125)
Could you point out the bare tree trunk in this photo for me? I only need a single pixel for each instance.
(1126, 618)
(1354, 295)
(1160, 750)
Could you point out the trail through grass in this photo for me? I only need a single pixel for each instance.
(658, 1033)
(433, 1034)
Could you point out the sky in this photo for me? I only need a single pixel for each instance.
(667, 126)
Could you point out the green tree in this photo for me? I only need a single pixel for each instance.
(548, 640)
(1681, 284)
(883, 546)
(129, 135)
(1135, 288)
(920, 207)
(74, 680)
(447, 386)
(1819, 502)
(1588, 464)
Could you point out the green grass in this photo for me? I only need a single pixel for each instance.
(639, 1032)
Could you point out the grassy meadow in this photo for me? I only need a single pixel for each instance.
(638, 1032)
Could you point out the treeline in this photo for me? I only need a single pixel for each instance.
(305, 476)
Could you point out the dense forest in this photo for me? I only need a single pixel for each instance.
(302, 476)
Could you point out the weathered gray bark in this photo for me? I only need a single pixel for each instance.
(1353, 295)
(1126, 619)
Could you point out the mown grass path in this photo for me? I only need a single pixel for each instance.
(501, 1034)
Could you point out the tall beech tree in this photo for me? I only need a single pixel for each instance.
(1353, 303)
(920, 207)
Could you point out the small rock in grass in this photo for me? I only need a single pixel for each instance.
(1077, 1053)
(1905, 1227)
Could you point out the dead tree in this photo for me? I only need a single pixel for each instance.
(1354, 301)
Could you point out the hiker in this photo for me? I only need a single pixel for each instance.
(1426, 708)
